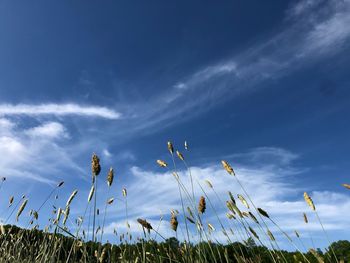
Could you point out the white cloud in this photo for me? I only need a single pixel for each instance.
(32, 154)
(58, 110)
(48, 130)
(153, 193)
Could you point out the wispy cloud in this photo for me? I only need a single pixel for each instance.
(58, 110)
(319, 31)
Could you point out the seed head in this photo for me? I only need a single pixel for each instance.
(170, 147)
(309, 201)
(144, 224)
(181, 157)
(161, 163)
(125, 193)
(305, 218)
(110, 177)
(227, 167)
(201, 205)
(263, 213)
(95, 165)
(173, 222)
(60, 184)
(346, 186)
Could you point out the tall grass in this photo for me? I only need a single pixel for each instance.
(246, 234)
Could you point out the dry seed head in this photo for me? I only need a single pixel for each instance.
(309, 201)
(270, 235)
(3, 179)
(190, 220)
(71, 197)
(162, 163)
(2, 230)
(95, 165)
(346, 186)
(186, 145)
(176, 176)
(91, 194)
(296, 233)
(244, 202)
(110, 177)
(170, 147)
(208, 183)
(144, 224)
(11, 201)
(173, 222)
(227, 167)
(305, 218)
(181, 157)
(21, 208)
(253, 232)
(253, 217)
(190, 212)
(263, 213)
(60, 184)
(231, 197)
(110, 200)
(97, 211)
(201, 205)
(125, 193)
(230, 216)
(35, 215)
(210, 227)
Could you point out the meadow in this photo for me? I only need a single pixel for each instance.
(250, 233)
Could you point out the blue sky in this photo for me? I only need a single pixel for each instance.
(261, 84)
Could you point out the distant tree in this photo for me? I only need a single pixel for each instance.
(341, 249)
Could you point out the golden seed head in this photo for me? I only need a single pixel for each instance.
(347, 186)
(95, 165)
(309, 201)
(201, 205)
(21, 208)
(173, 222)
(110, 176)
(181, 157)
(161, 163)
(227, 167)
(242, 199)
(170, 147)
(211, 227)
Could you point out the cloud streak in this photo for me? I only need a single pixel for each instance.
(58, 110)
(317, 31)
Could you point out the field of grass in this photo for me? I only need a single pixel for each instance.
(246, 228)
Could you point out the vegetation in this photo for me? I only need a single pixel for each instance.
(248, 237)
